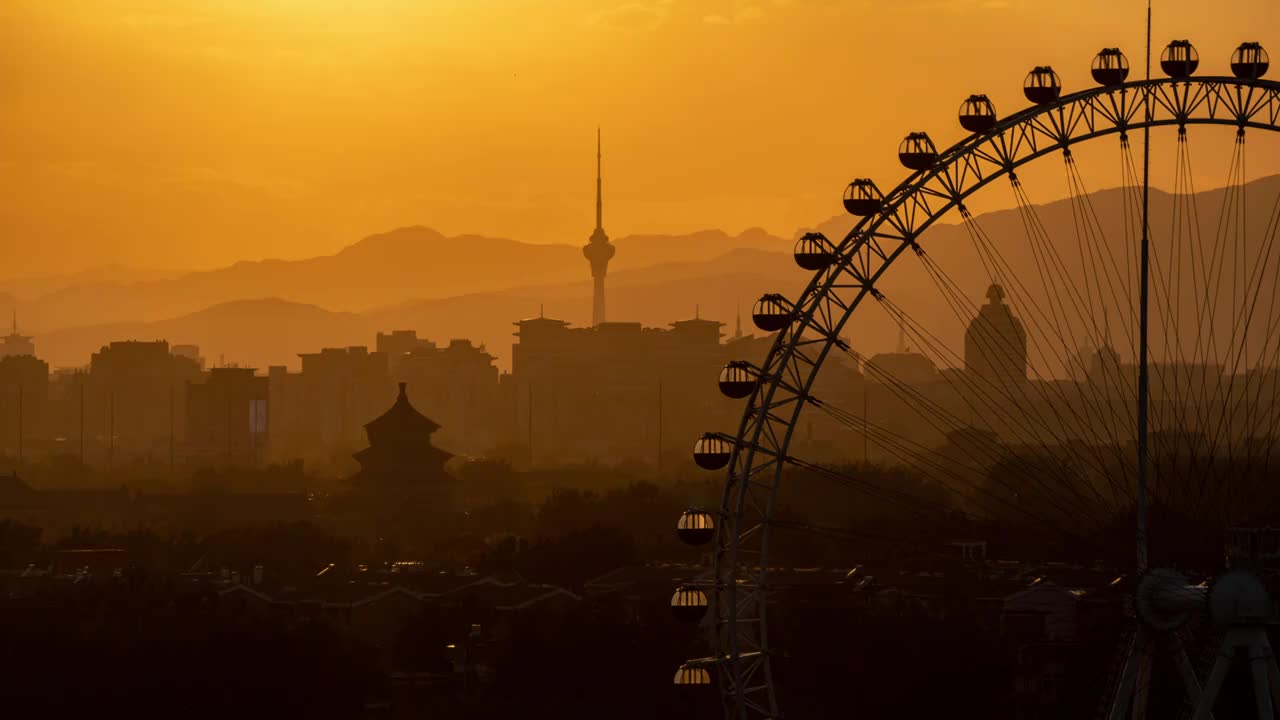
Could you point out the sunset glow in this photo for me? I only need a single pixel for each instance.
(177, 133)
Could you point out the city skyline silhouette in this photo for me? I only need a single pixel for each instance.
(913, 359)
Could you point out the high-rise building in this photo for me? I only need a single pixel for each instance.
(397, 344)
(226, 416)
(134, 399)
(599, 251)
(341, 388)
(15, 344)
(618, 391)
(188, 351)
(459, 382)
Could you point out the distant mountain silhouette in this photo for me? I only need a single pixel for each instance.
(476, 287)
(414, 262)
(33, 286)
(260, 332)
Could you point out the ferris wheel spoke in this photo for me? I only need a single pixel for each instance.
(1233, 398)
(1220, 431)
(1251, 292)
(1064, 359)
(1052, 270)
(990, 453)
(1005, 404)
(1000, 407)
(1049, 265)
(1118, 279)
(927, 460)
(1095, 241)
(1266, 371)
(952, 479)
(1177, 371)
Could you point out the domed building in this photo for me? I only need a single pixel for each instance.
(400, 453)
(995, 344)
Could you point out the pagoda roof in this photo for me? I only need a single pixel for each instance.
(403, 415)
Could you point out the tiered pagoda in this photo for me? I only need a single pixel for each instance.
(400, 453)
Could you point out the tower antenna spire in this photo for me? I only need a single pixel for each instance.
(599, 193)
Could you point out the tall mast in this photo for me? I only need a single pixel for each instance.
(1143, 312)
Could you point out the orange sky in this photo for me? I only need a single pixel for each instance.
(192, 133)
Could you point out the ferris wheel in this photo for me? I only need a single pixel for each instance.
(1127, 353)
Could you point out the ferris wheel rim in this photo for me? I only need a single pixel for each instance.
(746, 672)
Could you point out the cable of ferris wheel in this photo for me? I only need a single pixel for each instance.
(1240, 328)
(986, 246)
(950, 291)
(1273, 224)
(851, 534)
(1259, 269)
(1208, 321)
(992, 405)
(962, 307)
(1036, 227)
(921, 507)
(1091, 222)
(920, 401)
(907, 500)
(995, 453)
(901, 446)
(1212, 298)
(1173, 348)
(904, 448)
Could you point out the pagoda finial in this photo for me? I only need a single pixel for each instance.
(995, 294)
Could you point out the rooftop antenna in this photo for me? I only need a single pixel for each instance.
(697, 312)
(902, 338)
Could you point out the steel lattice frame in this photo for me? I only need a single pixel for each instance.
(861, 258)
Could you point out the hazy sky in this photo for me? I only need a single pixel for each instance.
(197, 132)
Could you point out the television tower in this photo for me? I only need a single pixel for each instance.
(599, 250)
